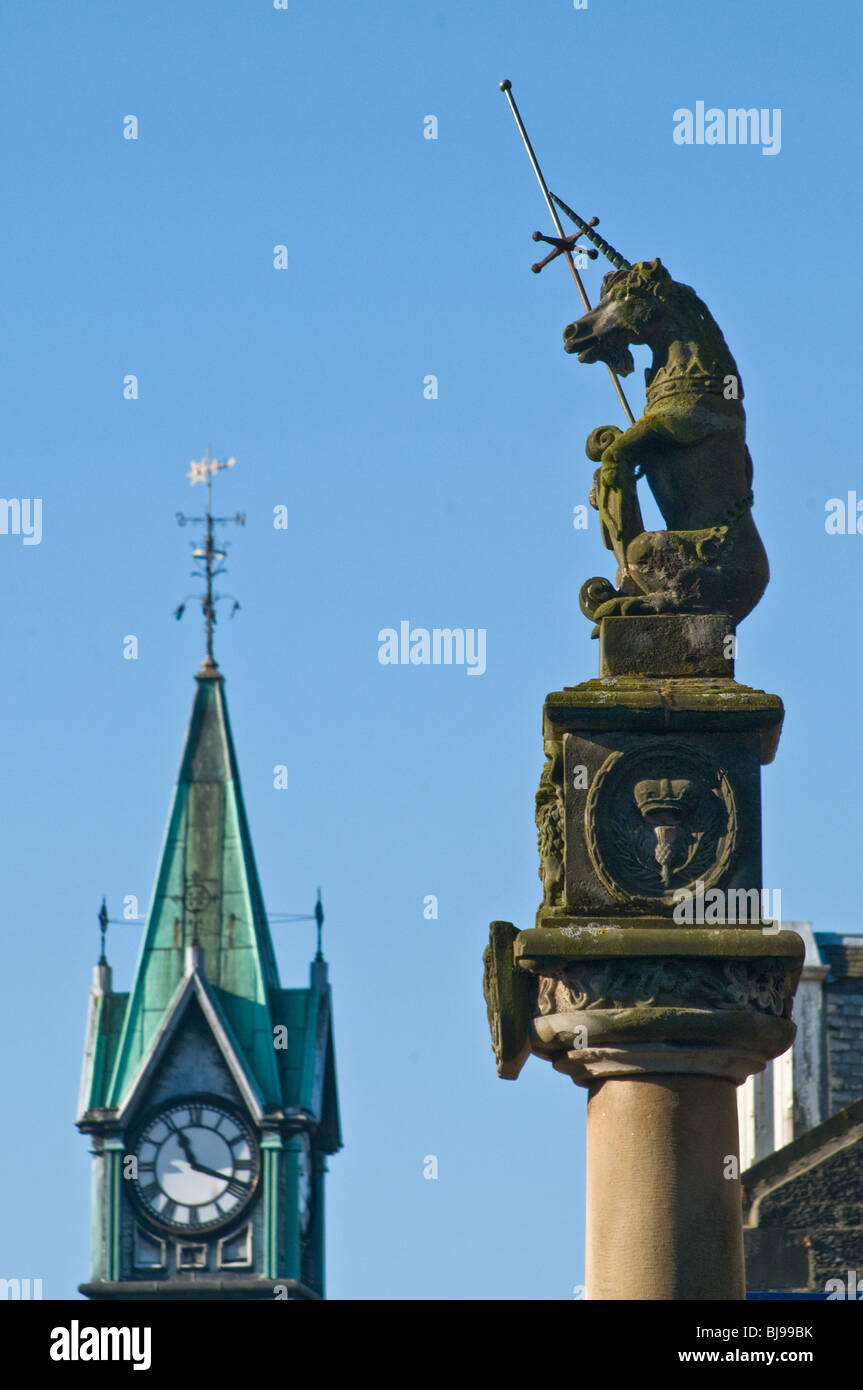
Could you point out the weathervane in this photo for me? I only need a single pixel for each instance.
(565, 245)
(205, 553)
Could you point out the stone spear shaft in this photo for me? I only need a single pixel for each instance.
(506, 88)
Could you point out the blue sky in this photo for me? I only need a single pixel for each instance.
(406, 257)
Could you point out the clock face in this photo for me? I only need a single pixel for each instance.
(197, 1165)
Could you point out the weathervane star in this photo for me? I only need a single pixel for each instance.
(197, 471)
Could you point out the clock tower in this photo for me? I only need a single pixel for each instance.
(208, 1091)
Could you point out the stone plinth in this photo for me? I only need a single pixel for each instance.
(654, 977)
(632, 761)
(701, 644)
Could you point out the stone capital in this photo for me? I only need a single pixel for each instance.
(600, 1000)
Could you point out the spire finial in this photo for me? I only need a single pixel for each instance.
(319, 918)
(205, 553)
(103, 928)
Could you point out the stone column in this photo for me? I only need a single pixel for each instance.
(665, 1135)
(653, 978)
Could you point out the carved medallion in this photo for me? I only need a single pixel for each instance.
(659, 819)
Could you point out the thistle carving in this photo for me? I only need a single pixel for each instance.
(659, 819)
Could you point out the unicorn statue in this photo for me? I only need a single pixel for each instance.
(690, 445)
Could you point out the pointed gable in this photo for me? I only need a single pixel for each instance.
(196, 1049)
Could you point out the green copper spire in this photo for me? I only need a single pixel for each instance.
(206, 895)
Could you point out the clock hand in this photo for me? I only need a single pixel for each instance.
(183, 1141)
(211, 1172)
(185, 1145)
(189, 1154)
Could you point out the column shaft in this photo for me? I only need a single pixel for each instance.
(663, 1219)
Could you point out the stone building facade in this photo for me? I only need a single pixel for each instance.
(801, 1135)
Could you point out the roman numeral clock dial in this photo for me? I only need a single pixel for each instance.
(198, 1166)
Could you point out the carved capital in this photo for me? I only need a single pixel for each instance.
(632, 1000)
(767, 986)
